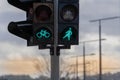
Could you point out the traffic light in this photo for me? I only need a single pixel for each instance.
(38, 28)
(68, 29)
(43, 29)
(21, 4)
(22, 29)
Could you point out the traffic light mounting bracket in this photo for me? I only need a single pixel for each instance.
(51, 47)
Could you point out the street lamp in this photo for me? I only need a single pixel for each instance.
(84, 52)
(100, 43)
(84, 63)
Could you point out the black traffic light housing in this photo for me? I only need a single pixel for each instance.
(21, 4)
(30, 29)
(38, 29)
(43, 24)
(68, 29)
(22, 29)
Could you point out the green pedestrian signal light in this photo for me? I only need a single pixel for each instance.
(68, 34)
(68, 22)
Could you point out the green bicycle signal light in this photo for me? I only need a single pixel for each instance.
(43, 34)
(43, 28)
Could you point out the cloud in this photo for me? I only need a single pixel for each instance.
(96, 9)
(13, 47)
(109, 46)
(9, 50)
(5, 6)
(13, 16)
(8, 13)
(26, 66)
(92, 64)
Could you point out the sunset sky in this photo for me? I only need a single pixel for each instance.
(13, 50)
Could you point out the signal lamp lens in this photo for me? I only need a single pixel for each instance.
(69, 12)
(43, 13)
(69, 34)
(43, 33)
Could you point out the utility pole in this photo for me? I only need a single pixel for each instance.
(100, 43)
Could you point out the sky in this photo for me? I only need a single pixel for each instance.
(13, 47)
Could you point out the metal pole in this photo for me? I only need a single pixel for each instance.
(84, 62)
(76, 67)
(55, 58)
(55, 67)
(100, 52)
(74, 72)
(100, 42)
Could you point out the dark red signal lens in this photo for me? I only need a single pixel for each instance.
(43, 13)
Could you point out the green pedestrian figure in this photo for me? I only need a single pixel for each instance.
(68, 34)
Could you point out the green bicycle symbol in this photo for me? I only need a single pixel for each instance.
(43, 33)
